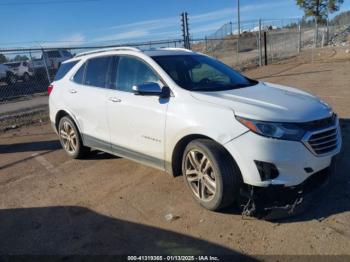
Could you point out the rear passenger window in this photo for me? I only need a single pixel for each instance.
(79, 75)
(97, 71)
(64, 69)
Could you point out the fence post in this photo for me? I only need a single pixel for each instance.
(259, 44)
(299, 41)
(323, 39)
(316, 32)
(327, 38)
(45, 65)
(32, 64)
(206, 44)
(265, 47)
(237, 49)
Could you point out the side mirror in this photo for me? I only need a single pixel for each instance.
(151, 89)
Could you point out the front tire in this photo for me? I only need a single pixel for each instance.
(70, 138)
(26, 77)
(211, 174)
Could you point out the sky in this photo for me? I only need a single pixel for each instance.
(79, 22)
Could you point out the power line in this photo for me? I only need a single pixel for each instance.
(46, 2)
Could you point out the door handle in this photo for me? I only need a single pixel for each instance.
(72, 91)
(115, 99)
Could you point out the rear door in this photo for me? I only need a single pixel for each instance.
(137, 122)
(87, 100)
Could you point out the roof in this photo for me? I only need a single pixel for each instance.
(150, 52)
(168, 51)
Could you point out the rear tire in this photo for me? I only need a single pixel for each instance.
(211, 174)
(70, 138)
(11, 79)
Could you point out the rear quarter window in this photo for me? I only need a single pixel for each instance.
(64, 69)
(79, 75)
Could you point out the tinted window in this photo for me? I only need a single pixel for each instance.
(66, 53)
(64, 69)
(79, 75)
(132, 71)
(97, 71)
(202, 73)
(53, 54)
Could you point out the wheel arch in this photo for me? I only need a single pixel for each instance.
(62, 113)
(175, 167)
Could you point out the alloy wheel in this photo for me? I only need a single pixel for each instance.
(13, 79)
(200, 175)
(68, 137)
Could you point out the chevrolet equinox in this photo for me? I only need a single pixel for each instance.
(187, 113)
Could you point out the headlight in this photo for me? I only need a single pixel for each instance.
(286, 131)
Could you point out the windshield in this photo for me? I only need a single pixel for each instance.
(202, 73)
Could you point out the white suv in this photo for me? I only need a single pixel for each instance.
(6, 74)
(22, 69)
(187, 113)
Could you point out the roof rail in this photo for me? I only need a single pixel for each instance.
(108, 49)
(176, 49)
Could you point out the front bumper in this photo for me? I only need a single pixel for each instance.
(291, 158)
(277, 202)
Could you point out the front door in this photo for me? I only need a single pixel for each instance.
(137, 123)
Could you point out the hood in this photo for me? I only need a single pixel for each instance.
(269, 102)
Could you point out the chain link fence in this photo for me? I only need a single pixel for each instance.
(262, 42)
(28, 71)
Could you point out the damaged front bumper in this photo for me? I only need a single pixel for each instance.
(277, 201)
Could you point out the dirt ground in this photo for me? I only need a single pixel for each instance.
(50, 204)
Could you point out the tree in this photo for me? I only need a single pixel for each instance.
(3, 59)
(20, 58)
(319, 9)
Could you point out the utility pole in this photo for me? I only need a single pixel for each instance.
(327, 38)
(238, 18)
(259, 44)
(239, 28)
(185, 30)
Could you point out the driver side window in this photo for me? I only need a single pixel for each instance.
(131, 71)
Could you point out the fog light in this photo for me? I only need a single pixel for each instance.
(266, 170)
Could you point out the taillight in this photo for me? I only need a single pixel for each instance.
(49, 89)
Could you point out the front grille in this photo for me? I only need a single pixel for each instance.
(319, 124)
(324, 141)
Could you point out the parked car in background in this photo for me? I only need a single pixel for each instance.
(53, 59)
(22, 70)
(6, 74)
